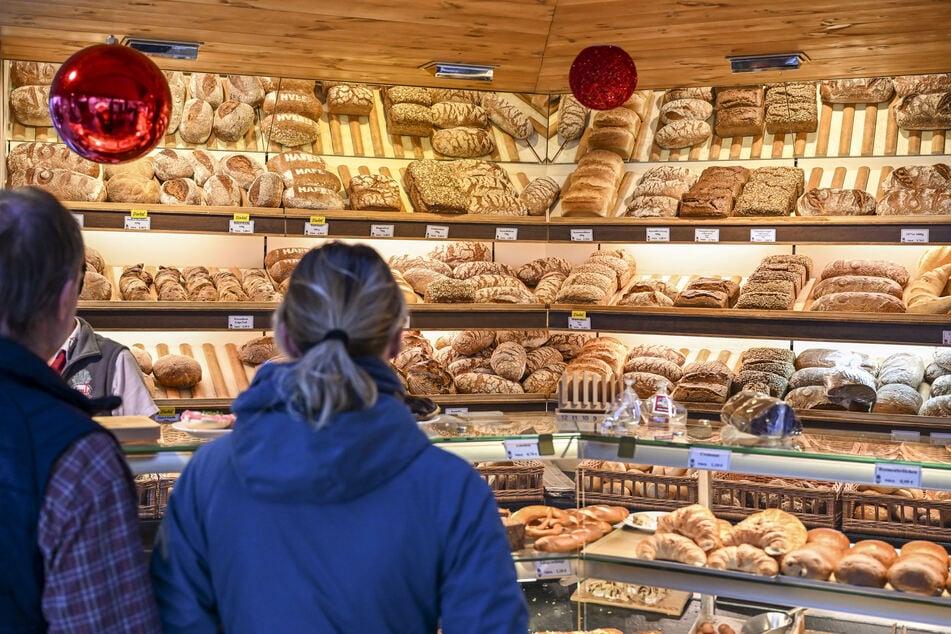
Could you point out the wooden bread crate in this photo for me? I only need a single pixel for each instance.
(895, 515)
(514, 481)
(816, 503)
(633, 489)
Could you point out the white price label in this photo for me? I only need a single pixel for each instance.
(552, 568)
(916, 236)
(437, 232)
(235, 226)
(706, 235)
(80, 220)
(457, 410)
(521, 449)
(311, 229)
(902, 435)
(138, 224)
(582, 235)
(506, 233)
(240, 322)
(381, 231)
(712, 459)
(899, 475)
(940, 439)
(762, 235)
(579, 324)
(946, 337)
(658, 234)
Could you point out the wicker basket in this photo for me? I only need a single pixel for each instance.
(737, 495)
(514, 481)
(895, 515)
(633, 489)
(152, 490)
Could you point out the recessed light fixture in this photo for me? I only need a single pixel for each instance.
(455, 70)
(757, 63)
(176, 49)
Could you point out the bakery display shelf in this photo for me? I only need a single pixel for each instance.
(843, 130)
(362, 224)
(223, 375)
(182, 316)
(767, 461)
(477, 316)
(887, 328)
(463, 403)
(784, 230)
(185, 218)
(611, 557)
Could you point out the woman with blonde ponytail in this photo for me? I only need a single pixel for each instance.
(327, 509)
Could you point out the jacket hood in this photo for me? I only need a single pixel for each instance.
(282, 457)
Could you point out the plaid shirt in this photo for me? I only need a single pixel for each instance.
(96, 576)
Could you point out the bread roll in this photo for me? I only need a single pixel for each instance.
(861, 570)
(30, 105)
(177, 371)
(925, 548)
(143, 358)
(880, 550)
(918, 574)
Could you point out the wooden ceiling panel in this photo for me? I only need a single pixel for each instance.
(532, 42)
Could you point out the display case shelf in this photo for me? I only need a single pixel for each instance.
(179, 218)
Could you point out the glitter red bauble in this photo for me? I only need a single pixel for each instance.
(110, 103)
(603, 77)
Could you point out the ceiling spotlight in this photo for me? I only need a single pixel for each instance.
(757, 63)
(454, 70)
(176, 49)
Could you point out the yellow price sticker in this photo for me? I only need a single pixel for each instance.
(242, 217)
(140, 213)
(318, 220)
(579, 314)
(166, 411)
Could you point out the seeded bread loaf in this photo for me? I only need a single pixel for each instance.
(299, 103)
(289, 129)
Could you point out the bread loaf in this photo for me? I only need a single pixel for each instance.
(827, 201)
(349, 99)
(857, 283)
(246, 89)
(258, 350)
(859, 302)
(544, 380)
(232, 120)
(811, 397)
(64, 184)
(941, 385)
(924, 111)
(937, 176)
(739, 121)
(207, 87)
(266, 190)
(509, 361)
(539, 196)
(919, 84)
(915, 202)
(180, 191)
(286, 84)
(876, 268)
(299, 103)
(478, 383)
(432, 187)
(453, 114)
(463, 142)
(50, 156)
(243, 168)
(683, 133)
(203, 166)
(170, 164)
(32, 73)
(857, 90)
(95, 287)
(170, 285)
(30, 105)
(140, 168)
(132, 189)
(572, 117)
(408, 94)
(685, 109)
(312, 197)
(410, 119)
(455, 95)
(791, 107)
(198, 118)
(143, 358)
(374, 192)
(936, 406)
(290, 129)
(177, 371)
(507, 116)
(222, 190)
(177, 88)
(902, 367)
(918, 574)
(897, 398)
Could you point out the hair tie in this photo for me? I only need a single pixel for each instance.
(337, 334)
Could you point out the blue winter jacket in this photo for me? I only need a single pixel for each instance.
(362, 526)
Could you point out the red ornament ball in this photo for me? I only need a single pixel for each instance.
(603, 77)
(110, 103)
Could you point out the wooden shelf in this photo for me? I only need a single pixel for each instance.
(180, 218)
(897, 328)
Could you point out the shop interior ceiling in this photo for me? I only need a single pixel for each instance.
(530, 42)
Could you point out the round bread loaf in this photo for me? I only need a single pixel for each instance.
(180, 191)
(32, 73)
(837, 539)
(811, 397)
(902, 367)
(169, 164)
(267, 190)
(897, 398)
(128, 188)
(198, 118)
(936, 406)
(232, 120)
(175, 370)
(941, 385)
(861, 570)
(141, 168)
(942, 357)
(246, 89)
(96, 287)
(242, 168)
(204, 164)
(143, 358)
(206, 86)
(258, 350)
(30, 105)
(880, 550)
(919, 574)
(94, 260)
(222, 190)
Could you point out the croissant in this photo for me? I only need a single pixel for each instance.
(775, 531)
(815, 560)
(696, 522)
(744, 558)
(672, 547)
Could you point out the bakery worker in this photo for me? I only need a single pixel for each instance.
(327, 509)
(98, 366)
(70, 551)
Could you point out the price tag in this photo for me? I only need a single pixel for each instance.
(238, 217)
(80, 220)
(240, 322)
(579, 324)
(457, 410)
(139, 213)
(552, 568)
(381, 231)
(899, 475)
(311, 229)
(706, 235)
(579, 314)
(901, 435)
(437, 232)
(318, 220)
(762, 235)
(521, 449)
(712, 459)
(946, 337)
(138, 224)
(506, 233)
(658, 234)
(663, 404)
(582, 235)
(915, 236)
(241, 226)
(940, 439)
(166, 415)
